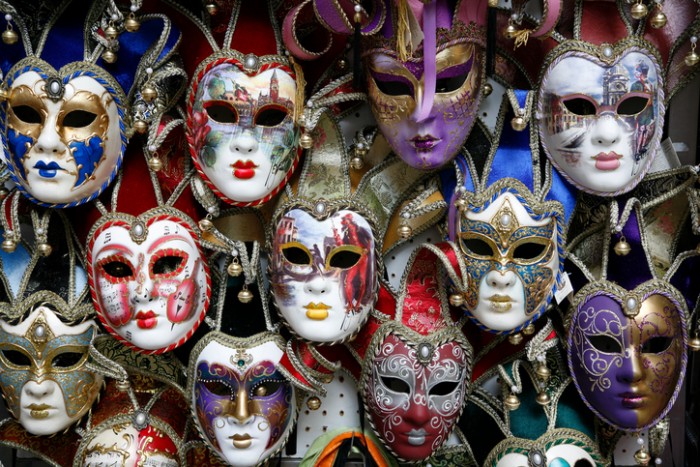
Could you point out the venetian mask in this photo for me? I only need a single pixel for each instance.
(323, 273)
(243, 405)
(513, 256)
(415, 390)
(241, 128)
(560, 447)
(126, 445)
(64, 130)
(601, 117)
(44, 378)
(627, 352)
(149, 279)
(396, 90)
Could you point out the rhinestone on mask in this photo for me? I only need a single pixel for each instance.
(54, 88)
(140, 420)
(251, 63)
(320, 207)
(425, 353)
(138, 232)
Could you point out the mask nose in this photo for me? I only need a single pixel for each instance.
(242, 413)
(632, 370)
(39, 390)
(244, 144)
(49, 141)
(500, 280)
(316, 286)
(606, 131)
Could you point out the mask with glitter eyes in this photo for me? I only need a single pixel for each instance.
(414, 393)
(241, 130)
(323, 273)
(243, 405)
(149, 279)
(396, 90)
(43, 374)
(627, 352)
(65, 132)
(514, 263)
(601, 122)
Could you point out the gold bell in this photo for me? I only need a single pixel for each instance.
(692, 58)
(357, 17)
(3, 193)
(518, 123)
(342, 64)
(511, 402)
(529, 329)
(487, 89)
(313, 403)
(132, 24)
(693, 344)
(140, 126)
(357, 163)
(234, 269)
(622, 248)
(206, 225)
(109, 56)
(4, 94)
(510, 31)
(515, 339)
(639, 10)
(149, 94)
(9, 245)
(405, 231)
(642, 457)
(212, 9)
(44, 249)
(306, 141)
(543, 398)
(155, 164)
(461, 203)
(111, 32)
(543, 372)
(456, 299)
(9, 36)
(659, 19)
(245, 296)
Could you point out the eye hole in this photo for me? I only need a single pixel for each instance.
(580, 106)
(167, 264)
(27, 114)
(657, 344)
(296, 255)
(79, 119)
(267, 388)
(477, 246)
(396, 384)
(66, 359)
(217, 388)
(450, 84)
(118, 269)
(605, 344)
(583, 463)
(17, 358)
(221, 112)
(632, 105)
(270, 116)
(343, 259)
(394, 88)
(444, 388)
(529, 251)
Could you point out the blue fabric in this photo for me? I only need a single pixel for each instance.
(563, 192)
(13, 266)
(65, 42)
(633, 269)
(11, 54)
(513, 158)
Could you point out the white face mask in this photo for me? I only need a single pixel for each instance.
(242, 132)
(514, 260)
(150, 280)
(65, 140)
(244, 406)
(44, 378)
(601, 123)
(559, 455)
(323, 273)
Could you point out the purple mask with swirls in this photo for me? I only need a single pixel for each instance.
(627, 352)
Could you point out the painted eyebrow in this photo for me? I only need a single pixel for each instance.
(116, 247)
(457, 70)
(388, 77)
(158, 242)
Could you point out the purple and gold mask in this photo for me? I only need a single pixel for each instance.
(601, 115)
(627, 351)
(243, 405)
(425, 94)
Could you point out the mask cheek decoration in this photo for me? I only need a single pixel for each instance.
(628, 361)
